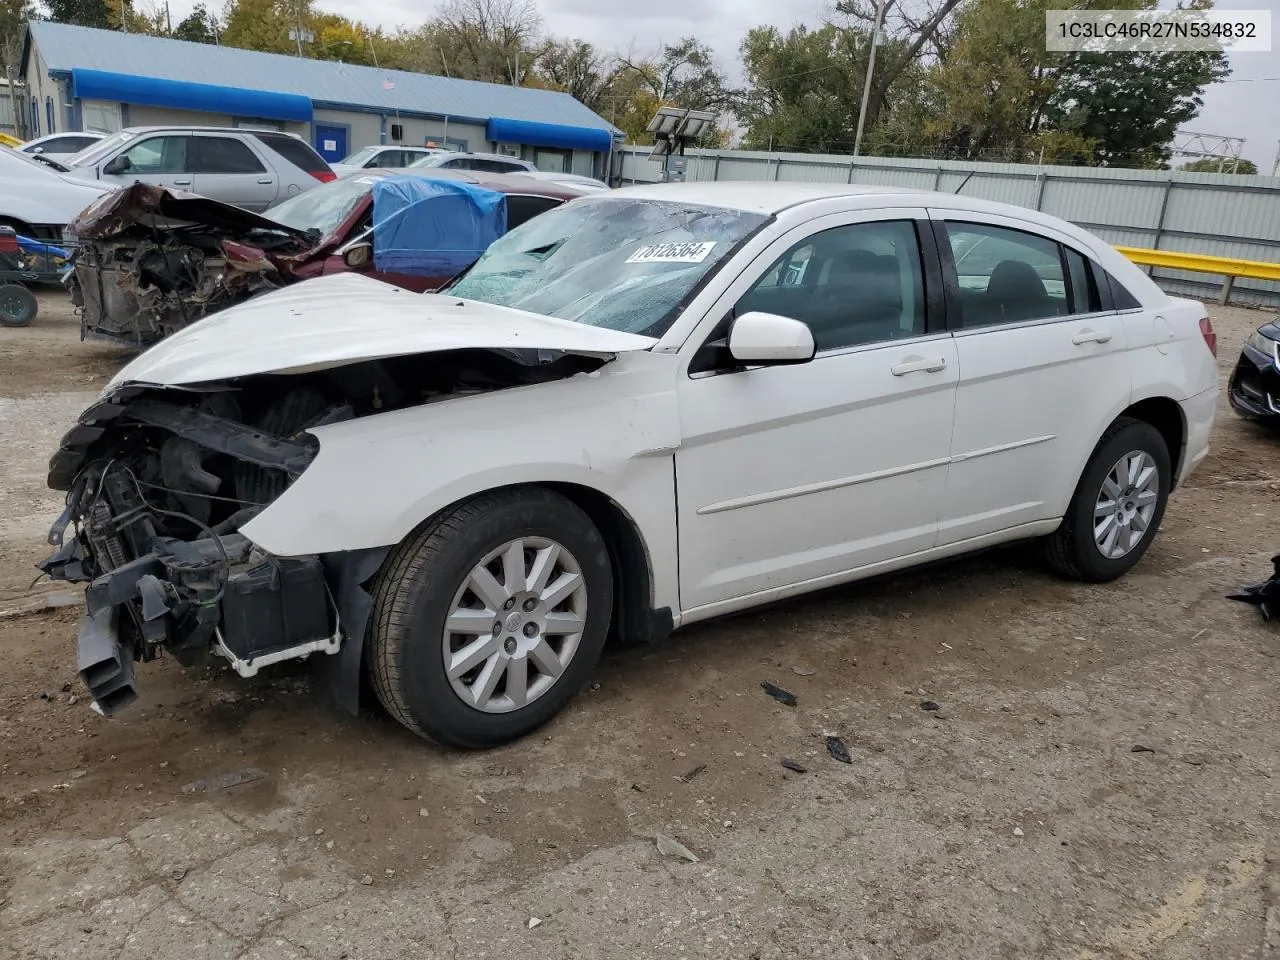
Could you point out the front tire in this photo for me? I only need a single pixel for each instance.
(489, 618)
(1117, 507)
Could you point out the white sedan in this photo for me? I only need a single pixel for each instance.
(639, 410)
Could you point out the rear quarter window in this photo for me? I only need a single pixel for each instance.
(521, 209)
(294, 150)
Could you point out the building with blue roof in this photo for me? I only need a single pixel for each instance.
(81, 78)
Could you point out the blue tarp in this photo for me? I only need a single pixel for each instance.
(185, 95)
(433, 228)
(535, 134)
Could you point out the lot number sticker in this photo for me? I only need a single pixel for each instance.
(692, 252)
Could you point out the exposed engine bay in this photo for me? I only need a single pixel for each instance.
(160, 481)
(151, 261)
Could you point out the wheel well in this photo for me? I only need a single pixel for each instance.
(634, 618)
(1166, 416)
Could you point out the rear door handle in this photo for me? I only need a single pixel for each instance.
(182, 183)
(267, 181)
(918, 366)
(1090, 336)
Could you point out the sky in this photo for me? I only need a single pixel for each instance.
(1247, 106)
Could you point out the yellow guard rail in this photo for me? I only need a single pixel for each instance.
(1228, 267)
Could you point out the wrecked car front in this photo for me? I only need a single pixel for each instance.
(152, 260)
(236, 488)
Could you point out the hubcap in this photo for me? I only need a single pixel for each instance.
(1126, 504)
(514, 625)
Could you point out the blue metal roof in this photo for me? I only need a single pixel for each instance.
(65, 47)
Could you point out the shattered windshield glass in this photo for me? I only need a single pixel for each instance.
(325, 208)
(621, 263)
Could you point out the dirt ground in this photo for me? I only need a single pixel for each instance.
(1100, 781)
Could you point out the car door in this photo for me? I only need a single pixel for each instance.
(791, 475)
(160, 159)
(227, 169)
(1043, 369)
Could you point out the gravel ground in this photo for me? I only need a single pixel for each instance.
(1019, 820)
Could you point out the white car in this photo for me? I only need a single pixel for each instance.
(38, 201)
(60, 146)
(636, 411)
(393, 156)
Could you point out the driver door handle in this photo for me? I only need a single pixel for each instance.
(182, 183)
(266, 181)
(1090, 336)
(918, 366)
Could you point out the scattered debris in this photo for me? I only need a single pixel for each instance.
(66, 688)
(481, 799)
(839, 750)
(534, 922)
(367, 880)
(1139, 748)
(728, 824)
(669, 847)
(319, 831)
(782, 696)
(930, 705)
(178, 873)
(364, 818)
(637, 787)
(328, 845)
(1266, 595)
(692, 773)
(224, 781)
(803, 670)
(424, 812)
(45, 696)
(793, 765)
(1017, 832)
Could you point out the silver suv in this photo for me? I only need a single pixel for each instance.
(483, 162)
(253, 169)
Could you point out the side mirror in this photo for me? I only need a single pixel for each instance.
(358, 256)
(36, 150)
(767, 338)
(120, 164)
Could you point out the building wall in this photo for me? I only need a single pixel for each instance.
(40, 85)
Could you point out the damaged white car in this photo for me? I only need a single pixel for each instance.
(639, 410)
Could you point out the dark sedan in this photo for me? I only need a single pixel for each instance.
(1254, 390)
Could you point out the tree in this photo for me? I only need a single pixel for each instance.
(1130, 104)
(14, 16)
(492, 40)
(199, 26)
(682, 74)
(578, 69)
(1220, 165)
(802, 89)
(84, 13)
(265, 24)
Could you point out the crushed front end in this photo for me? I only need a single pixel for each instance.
(150, 261)
(158, 484)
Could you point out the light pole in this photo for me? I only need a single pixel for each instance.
(866, 84)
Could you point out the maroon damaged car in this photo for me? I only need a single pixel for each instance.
(150, 260)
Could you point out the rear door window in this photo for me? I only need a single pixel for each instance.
(1006, 275)
(521, 208)
(222, 155)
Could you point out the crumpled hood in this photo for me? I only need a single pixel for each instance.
(346, 318)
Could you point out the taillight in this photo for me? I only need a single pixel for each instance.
(1210, 338)
(8, 241)
(324, 176)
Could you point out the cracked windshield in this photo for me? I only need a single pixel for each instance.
(622, 264)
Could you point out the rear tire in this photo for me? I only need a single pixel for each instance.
(526, 658)
(1117, 506)
(18, 305)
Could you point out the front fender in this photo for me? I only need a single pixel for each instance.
(377, 478)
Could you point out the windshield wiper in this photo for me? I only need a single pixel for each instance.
(60, 167)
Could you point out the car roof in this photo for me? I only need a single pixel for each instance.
(754, 196)
(503, 183)
(196, 128)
